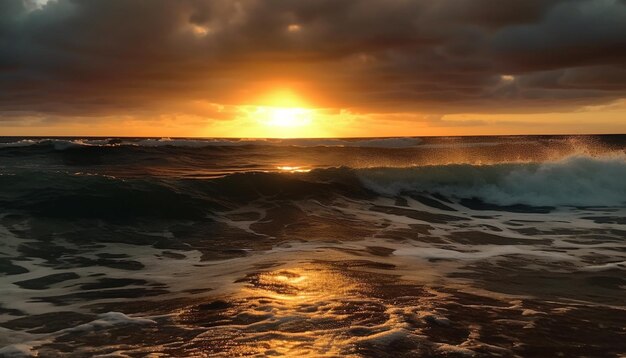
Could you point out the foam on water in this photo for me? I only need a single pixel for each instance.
(338, 261)
(483, 252)
(21, 350)
(576, 181)
(107, 320)
(29, 342)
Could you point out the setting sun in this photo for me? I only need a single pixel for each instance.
(285, 117)
(280, 113)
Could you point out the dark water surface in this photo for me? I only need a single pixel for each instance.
(391, 247)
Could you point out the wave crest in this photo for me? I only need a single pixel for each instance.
(572, 181)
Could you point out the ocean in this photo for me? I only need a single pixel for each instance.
(373, 247)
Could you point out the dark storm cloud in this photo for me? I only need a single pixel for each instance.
(73, 57)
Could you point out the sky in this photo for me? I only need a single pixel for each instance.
(311, 68)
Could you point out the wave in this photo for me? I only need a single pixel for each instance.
(401, 142)
(82, 195)
(63, 144)
(572, 181)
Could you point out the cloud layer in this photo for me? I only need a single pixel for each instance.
(108, 57)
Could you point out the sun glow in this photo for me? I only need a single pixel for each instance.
(293, 169)
(283, 113)
(285, 117)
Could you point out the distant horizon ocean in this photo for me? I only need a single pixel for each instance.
(455, 246)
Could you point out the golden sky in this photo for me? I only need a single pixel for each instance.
(320, 68)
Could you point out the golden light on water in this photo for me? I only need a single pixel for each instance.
(289, 307)
(302, 283)
(302, 299)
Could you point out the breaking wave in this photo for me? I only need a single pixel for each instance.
(575, 181)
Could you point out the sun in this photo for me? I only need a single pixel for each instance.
(285, 116)
(279, 113)
(283, 108)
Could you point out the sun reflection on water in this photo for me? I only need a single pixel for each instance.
(300, 311)
(306, 310)
(301, 283)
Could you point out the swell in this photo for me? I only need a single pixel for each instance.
(78, 195)
(205, 158)
(574, 181)
(67, 143)
(60, 144)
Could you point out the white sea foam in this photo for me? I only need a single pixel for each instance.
(480, 252)
(28, 343)
(576, 180)
(605, 267)
(20, 350)
(107, 320)
(448, 348)
(20, 143)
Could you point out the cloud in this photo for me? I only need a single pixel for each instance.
(108, 57)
